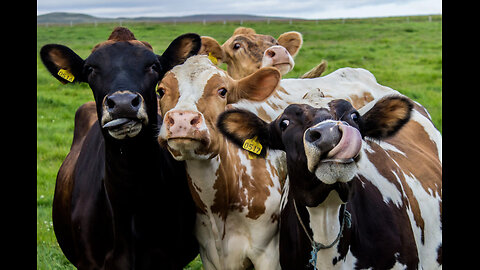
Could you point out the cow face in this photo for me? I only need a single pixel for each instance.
(322, 144)
(122, 73)
(193, 94)
(246, 51)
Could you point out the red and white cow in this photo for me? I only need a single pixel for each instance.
(237, 198)
(353, 203)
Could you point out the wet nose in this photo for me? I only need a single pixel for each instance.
(183, 124)
(324, 137)
(123, 104)
(277, 53)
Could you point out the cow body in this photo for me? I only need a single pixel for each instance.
(355, 85)
(113, 199)
(391, 189)
(237, 198)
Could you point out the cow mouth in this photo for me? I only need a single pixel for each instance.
(339, 164)
(187, 148)
(283, 63)
(122, 128)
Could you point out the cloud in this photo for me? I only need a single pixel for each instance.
(308, 9)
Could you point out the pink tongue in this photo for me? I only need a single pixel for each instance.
(349, 145)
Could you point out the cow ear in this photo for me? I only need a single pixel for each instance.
(239, 126)
(212, 48)
(292, 41)
(63, 63)
(179, 50)
(257, 86)
(387, 116)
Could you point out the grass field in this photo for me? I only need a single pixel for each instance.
(404, 54)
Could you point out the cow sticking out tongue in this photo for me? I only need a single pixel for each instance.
(331, 142)
(348, 147)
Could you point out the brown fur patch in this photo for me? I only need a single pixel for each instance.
(244, 31)
(236, 190)
(121, 34)
(415, 143)
(360, 101)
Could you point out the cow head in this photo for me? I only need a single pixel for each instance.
(322, 144)
(122, 73)
(246, 51)
(194, 94)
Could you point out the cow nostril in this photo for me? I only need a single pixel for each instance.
(171, 121)
(313, 135)
(136, 101)
(195, 120)
(110, 103)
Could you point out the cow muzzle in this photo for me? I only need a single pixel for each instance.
(278, 57)
(331, 148)
(124, 114)
(185, 133)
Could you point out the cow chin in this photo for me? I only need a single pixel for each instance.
(284, 68)
(188, 149)
(333, 172)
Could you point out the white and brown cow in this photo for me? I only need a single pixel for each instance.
(358, 196)
(246, 51)
(237, 198)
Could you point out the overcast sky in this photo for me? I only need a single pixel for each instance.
(307, 9)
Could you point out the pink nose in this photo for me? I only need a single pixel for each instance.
(278, 54)
(183, 124)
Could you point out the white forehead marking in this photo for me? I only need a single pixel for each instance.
(192, 76)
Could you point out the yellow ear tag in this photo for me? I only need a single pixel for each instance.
(252, 145)
(65, 74)
(212, 58)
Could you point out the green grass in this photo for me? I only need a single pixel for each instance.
(406, 56)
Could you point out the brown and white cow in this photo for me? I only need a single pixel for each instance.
(246, 51)
(237, 198)
(357, 197)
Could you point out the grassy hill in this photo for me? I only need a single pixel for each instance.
(404, 54)
(67, 18)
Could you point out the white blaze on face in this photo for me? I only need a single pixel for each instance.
(192, 77)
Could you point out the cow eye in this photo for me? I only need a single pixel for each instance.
(236, 46)
(89, 69)
(160, 92)
(152, 67)
(354, 116)
(222, 92)
(284, 124)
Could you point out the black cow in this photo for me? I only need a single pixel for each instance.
(353, 201)
(121, 201)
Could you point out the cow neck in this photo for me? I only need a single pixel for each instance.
(127, 161)
(327, 221)
(207, 175)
